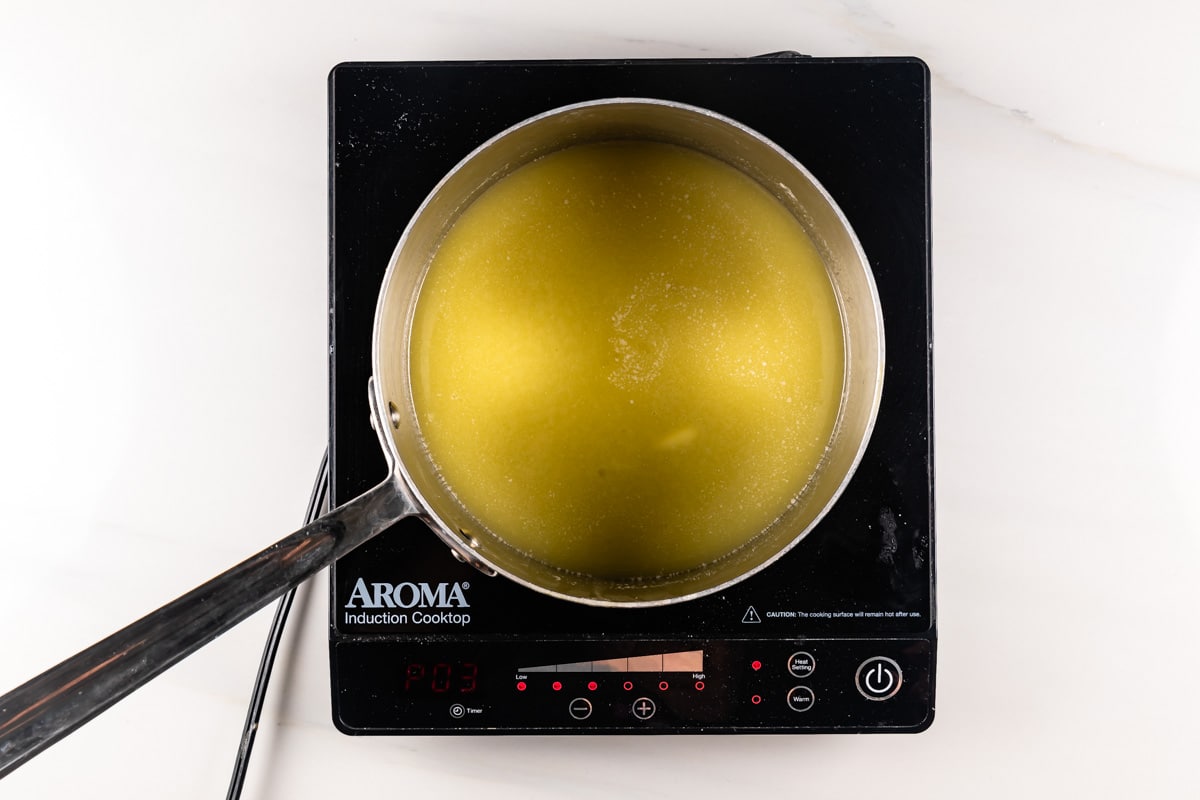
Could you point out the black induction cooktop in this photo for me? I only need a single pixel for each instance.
(839, 635)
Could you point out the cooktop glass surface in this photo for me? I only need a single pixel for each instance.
(859, 127)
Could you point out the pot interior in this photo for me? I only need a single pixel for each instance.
(630, 120)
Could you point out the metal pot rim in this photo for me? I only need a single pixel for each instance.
(389, 418)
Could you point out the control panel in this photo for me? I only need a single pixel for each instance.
(810, 685)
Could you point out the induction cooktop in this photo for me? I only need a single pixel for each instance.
(838, 635)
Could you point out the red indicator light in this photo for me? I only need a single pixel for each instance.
(556, 686)
(756, 699)
(756, 665)
(699, 686)
(663, 686)
(627, 686)
(593, 686)
(522, 686)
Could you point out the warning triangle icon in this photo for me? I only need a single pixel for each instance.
(751, 615)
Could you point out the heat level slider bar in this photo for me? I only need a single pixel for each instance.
(682, 661)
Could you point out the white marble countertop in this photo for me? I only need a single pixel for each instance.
(164, 221)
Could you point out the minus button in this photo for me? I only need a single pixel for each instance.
(580, 708)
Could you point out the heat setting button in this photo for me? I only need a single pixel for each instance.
(802, 664)
(878, 678)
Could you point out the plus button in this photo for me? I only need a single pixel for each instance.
(644, 708)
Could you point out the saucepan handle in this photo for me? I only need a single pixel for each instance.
(52, 705)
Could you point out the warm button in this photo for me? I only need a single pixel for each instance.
(801, 698)
(878, 678)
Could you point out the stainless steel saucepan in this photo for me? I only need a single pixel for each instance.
(68, 695)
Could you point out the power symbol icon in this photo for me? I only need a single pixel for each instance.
(878, 678)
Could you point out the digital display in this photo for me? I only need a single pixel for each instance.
(440, 678)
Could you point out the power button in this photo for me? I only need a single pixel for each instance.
(878, 678)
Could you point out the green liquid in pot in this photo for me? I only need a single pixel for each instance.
(626, 359)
